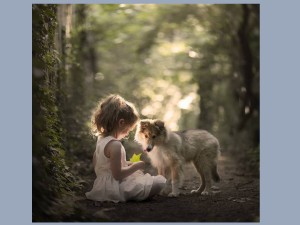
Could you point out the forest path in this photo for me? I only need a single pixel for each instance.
(236, 201)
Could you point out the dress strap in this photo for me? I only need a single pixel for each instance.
(103, 141)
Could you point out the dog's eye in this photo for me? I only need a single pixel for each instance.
(153, 136)
(146, 136)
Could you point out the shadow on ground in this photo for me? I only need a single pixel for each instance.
(237, 200)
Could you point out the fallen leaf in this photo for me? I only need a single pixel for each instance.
(135, 158)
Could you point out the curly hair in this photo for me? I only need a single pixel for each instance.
(109, 111)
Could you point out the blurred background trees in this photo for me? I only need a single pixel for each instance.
(193, 66)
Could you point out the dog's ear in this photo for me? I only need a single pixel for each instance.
(160, 124)
(144, 124)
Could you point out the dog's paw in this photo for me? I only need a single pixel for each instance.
(215, 188)
(195, 191)
(172, 194)
(205, 193)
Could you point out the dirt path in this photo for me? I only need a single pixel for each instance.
(236, 201)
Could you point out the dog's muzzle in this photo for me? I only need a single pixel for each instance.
(149, 148)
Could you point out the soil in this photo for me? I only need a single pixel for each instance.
(235, 199)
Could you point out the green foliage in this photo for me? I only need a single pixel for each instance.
(180, 63)
(185, 64)
(52, 179)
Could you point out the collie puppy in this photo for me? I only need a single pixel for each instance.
(169, 151)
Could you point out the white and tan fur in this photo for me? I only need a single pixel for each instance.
(169, 151)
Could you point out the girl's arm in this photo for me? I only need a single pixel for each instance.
(119, 172)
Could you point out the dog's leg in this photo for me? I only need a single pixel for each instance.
(168, 188)
(199, 166)
(175, 182)
(161, 171)
(214, 172)
(215, 176)
(181, 176)
(175, 190)
(206, 170)
(207, 175)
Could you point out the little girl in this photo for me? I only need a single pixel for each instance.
(118, 180)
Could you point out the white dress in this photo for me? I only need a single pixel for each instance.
(136, 187)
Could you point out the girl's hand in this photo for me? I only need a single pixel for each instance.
(139, 165)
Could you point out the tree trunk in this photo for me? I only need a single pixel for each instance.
(246, 68)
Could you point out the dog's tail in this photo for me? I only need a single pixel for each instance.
(215, 174)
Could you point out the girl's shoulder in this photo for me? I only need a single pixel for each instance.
(112, 146)
(108, 141)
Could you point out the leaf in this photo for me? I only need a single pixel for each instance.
(135, 158)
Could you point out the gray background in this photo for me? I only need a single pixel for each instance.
(279, 81)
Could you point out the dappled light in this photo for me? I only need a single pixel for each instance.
(186, 102)
(193, 66)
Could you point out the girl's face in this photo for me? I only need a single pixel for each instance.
(124, 130)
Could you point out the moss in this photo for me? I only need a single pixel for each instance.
(52, 178)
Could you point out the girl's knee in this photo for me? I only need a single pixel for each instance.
(156, 188)
(159, 184)
(160, 179)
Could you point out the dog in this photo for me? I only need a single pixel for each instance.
(169, 151)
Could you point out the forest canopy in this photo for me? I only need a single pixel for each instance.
(193, 66)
